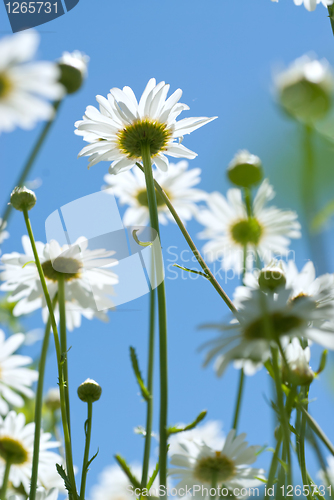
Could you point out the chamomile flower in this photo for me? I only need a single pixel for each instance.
(25, 86)
(230, 230)
(17, 444)
(311, 4)
(209, 433)
(178, 183)
(117, 131)
(86, 281)
(15, 378)
(228, 465)
(248, 338)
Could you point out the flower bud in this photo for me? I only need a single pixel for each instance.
(22, 198)
(272, 277)
(305, 89)
(300, 372)
(89, 390)
(52, 399)
(245, 170)
(73, 67)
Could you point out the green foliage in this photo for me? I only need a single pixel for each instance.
(135, 366)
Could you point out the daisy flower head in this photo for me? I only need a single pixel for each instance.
(311, 4)
(25, 86)
(230, 229)
(227, 466)
(121, 126)
(209, 433)
(15, 378)
(305, 89)
(178, 183)
(89, 280)
(73, 66)
(248, 338)
(17, 445)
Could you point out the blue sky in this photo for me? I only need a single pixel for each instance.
(222, 54)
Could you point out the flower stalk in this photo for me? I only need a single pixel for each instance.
(88, 431)
(63, 343)
(5, 480)
(153, 210)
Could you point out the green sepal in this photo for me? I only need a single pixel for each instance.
(323, 362)
(126, 469)
(135, 366)
(198, 419)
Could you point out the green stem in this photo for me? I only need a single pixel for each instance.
(237, 408)
(153, 210)
(87, 445)
(63, 343)
(331, 16)
(67, 441)
(5, 480)
(26, 169)
(192, 245)
(149, 415)
(283, 416)
(274, 463)
(317, 430)
(315, 445)
(39, 405)
(301, 444)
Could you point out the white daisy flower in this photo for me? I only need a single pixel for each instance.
(86, 281)
(73, 66)
(3, 234)
(117, 130)
(228, 465)
(178, 183)
(25, 87)
(298, 360)
(115, 485)
(77, 60)
(300, 284)
(14, 377)
(230, 230)
(311, 4)
(209, 433)
(247, 337)
(17, 443)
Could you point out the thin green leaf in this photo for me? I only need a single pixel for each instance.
(93, 458)
(263, 480)
(144, 391)
(126, 469)
(192, 271)
(198, 419)
(284, 465)
(30, 262)
(323, 362)
(152, 478)
(64, 476)
(322, 217)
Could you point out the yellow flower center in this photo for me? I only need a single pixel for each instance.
(220, 467)
(143, 200)
(280, 325)
(68, 268)
(143, 132)
(5, 85)
(12, 450)
(247, 231)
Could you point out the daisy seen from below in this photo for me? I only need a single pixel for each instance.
(304, 283)
(311, 4)
(226, 467)
(178, 183)
(121, 126)
(15, 378)
(16, 446)
(247, 337)
(209, 433)
(230, 230)
(25, 86)
(88, 278)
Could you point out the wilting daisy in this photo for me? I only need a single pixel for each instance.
(14, 377)
(117, 131)
(300, 284)
(17, 445)
(230, 230)
(87, 283)
(178, 183)
(227, 466)
(25, 86)
(248, 338)
(311, 4)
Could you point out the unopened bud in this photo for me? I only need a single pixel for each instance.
(245, 170)
(73, 67)
(22, 198)
(52, 399)
(272, 277)
(298, 359)
(89, 390)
